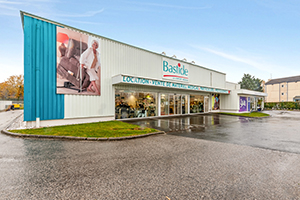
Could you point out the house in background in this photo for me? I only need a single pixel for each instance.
(283, 89)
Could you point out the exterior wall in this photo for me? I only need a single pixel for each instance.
(293, 90)
(229, 102)
(273, 93)
(232, 86)
(282, 91)
(118, 58)
(40, 98)
(218, 80)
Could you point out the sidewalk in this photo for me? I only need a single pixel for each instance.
(6, 118)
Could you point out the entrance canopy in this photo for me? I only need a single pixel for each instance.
(251, 93)
(296, 98)
(128, 79)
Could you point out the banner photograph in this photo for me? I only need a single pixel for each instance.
(243, 104)
(215, 102)
(78, 63)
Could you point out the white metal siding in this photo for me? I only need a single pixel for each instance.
(118, 58)
(219, 80)
(229, 102)
(199, 76)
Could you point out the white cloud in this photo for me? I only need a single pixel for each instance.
(170, 6)
(11, 2)
(86, 14)
(258, 65)
(248, 61)
(83, 22)
(287, 6)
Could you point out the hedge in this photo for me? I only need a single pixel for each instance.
(282, 105)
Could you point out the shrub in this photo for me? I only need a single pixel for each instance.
(283, 105)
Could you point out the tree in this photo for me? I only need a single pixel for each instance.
(251, 83)
(12, 88)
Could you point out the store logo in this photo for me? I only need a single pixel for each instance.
(243, 103)
(175, 71)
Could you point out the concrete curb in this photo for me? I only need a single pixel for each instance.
(6, 132)
(245, 116)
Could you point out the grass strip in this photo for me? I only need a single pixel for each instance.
(252, 114)
(97, 130)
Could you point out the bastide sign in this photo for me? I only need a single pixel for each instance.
(174, 70)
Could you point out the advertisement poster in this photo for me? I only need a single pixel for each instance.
(243, 104)
(215, 102)
(175, 70)
(78, 63)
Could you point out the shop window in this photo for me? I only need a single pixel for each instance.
(130, 104)
(196, 103)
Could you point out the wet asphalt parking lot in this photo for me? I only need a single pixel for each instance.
(193, 160)
(280, 132)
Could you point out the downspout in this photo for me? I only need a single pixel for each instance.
(37, 74)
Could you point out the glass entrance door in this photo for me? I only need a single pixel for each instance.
(173, 104)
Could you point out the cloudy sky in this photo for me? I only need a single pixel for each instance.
(259, 37)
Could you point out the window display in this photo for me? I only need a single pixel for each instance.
(130, 104)
(215, 102)
(196, 103)
(164, 104)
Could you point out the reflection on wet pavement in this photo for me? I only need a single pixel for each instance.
(277, 133)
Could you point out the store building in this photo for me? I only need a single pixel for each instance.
(72, 76)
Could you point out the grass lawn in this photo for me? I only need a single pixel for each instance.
(99, 129)
(253, 114)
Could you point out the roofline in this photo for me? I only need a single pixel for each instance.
(232, 82)
(251, 92)
(267, 83)
(22, 13)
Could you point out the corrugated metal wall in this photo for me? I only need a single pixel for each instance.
(219, 80)
(229, 102)
(40, 98)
